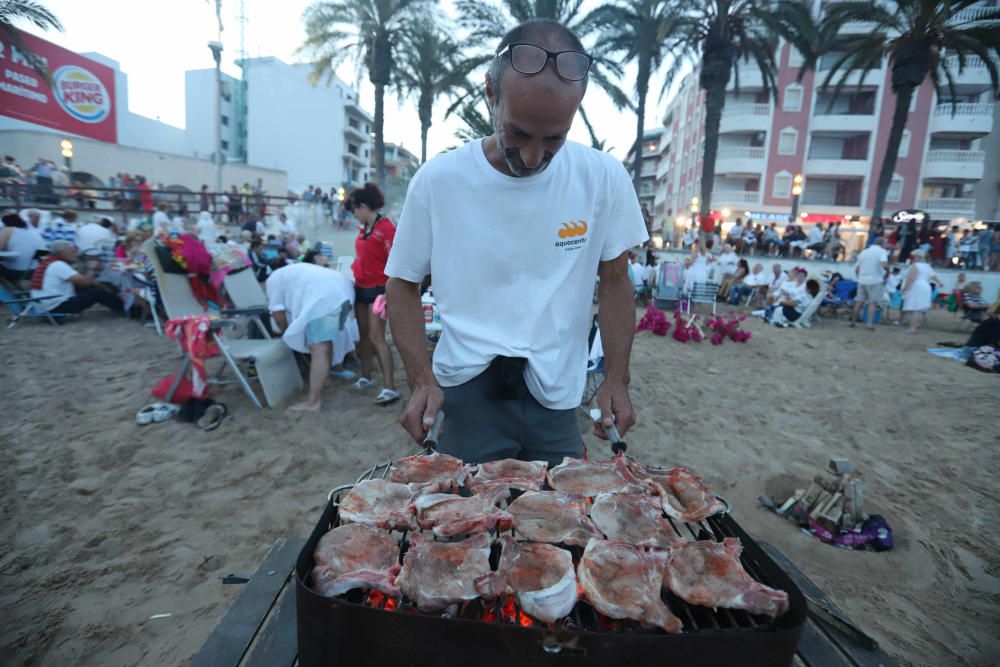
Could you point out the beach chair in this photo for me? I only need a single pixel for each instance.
(247, 297)
(706, 292)
(843, 295)
(344, 264)
(23, 305)
(811, 311)
(667, 289)
(595, 365)
(272, 360)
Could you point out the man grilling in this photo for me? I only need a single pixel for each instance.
(515, 227)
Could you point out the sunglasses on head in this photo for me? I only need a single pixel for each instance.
(530, 59)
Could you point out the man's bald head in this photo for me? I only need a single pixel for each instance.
(545, 33)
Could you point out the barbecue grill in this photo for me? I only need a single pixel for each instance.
(367, 628)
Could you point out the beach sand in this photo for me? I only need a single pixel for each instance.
(106, 524)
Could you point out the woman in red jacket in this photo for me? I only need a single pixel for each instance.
(371, 251)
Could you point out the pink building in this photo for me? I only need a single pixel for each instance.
(836, 145)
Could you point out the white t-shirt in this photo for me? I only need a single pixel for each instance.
(515, 260)
(728, 261)
(758, 279)
(289, 226)
(306, 292)
(815, 235)
(161, 221)
(56, 284)
(24, 242)
(869, 265)
(778, 281)
(92, 235)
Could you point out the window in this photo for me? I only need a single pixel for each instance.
(913, 102)
(904, 144)
(895, 192)
(225, 120)
(225, 145)
(788, 141)
(782, 185)
(352, 149)
(792, 99)
(795, 58)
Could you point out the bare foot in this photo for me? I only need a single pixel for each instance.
(304, 406)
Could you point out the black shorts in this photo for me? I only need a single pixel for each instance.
(366, 295)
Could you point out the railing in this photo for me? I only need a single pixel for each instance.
(827, 62)
(964, 109)
(747, 109)
(824, 153)
(956, 156)
(972, 63)
(735, 197)
(741, 153)
(823, 109)
(827, 199)
(949, 204)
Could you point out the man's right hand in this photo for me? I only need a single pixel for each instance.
(421, 410)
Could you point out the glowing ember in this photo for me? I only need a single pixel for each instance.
(605, 622)
(376, 598)
(508, 614)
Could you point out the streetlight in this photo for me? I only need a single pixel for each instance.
(216, 48)
(67, 152)
(796, 193)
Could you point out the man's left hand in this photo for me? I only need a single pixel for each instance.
(616, 409)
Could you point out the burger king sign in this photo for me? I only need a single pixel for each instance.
(79, 101)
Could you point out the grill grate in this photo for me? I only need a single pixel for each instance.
(583, 618)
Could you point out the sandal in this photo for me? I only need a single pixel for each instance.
(386, 396)
(362, 383)
(214, 415)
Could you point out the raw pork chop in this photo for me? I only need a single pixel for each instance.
(684, 495)
(541, 576)
(633, 518)
(526, 475)
(379, 503)
(709, 573)
(551, 516)
(438, 574)
(429, 472)
(449, 514)
(623, 581)
(589, 478)
(355, 556)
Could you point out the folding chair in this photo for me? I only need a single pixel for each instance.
(25, 306)
(247, 297)
(595, 365)
(667, 288)
(811, 311)
(273, 360)
(706, 292)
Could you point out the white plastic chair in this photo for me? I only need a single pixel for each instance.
(702, 293)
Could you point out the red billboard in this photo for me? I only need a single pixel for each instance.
(80, 101)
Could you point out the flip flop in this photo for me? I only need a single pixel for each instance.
(362, 383)
(386, 396)
(214, 415)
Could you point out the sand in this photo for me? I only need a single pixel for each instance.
(106, 524)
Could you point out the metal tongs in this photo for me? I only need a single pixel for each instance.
(618, 445)
(430, 442)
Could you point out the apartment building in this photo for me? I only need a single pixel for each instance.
(835, 143)
(650, 160)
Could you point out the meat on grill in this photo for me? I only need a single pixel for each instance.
(438, 574)
(525, 475)
(552, 516)
(429, 472)
(710, 574)
(633, 518)
(589, 478)
(540, 575)
(684, 495)
(379, 503)
(622, 581)
(448, 514)
(356, 556)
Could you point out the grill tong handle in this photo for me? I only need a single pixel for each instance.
(431, 439)
(618, 445)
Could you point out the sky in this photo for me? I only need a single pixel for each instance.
(156, 41)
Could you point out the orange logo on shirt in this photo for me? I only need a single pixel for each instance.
(571, 229)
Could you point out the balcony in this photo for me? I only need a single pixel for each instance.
(948, 207)
(745, 117)
(834, 161)
(970, 118)
(737, 198)
(355, 132)
(973, 78)
(954, 165)
(750, 77)
(826, 62)
(739, 160)
(355, 159)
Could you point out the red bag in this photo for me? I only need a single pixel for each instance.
(184, 392)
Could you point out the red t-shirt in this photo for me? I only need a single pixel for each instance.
(371, 252)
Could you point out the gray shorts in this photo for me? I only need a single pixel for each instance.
(871, 293)
(480, 427)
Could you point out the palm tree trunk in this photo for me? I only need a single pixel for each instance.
(641, 88)
(594, 141)
(425, 109)
(903, 97)
(423, 142)
(715, 100)
(379, 134)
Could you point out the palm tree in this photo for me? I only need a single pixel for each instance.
(721, 34)
(643, 32)
(429, 67)
(914, 36)
(367, 30)
(31, 12)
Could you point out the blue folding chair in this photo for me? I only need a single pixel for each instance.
(25, 306)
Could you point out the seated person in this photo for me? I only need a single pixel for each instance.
(771, 240)
(15, 237)
(973, 305)
(315, 257)
(311, 306)
(94, 235)
(815, 241)
(792, 307)
(734, 279)
(728, 261)
(66, 291)
(757, 280)
(789, 290)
